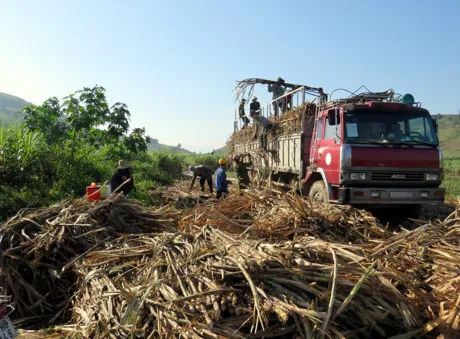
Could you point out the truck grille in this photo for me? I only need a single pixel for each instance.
(397, 176)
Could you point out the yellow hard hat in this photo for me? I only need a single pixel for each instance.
(222, 161)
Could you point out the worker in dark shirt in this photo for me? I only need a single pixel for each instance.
(263, 123)
(322, 96)
(254, 106)
(278, 91)
(205, 173)
(123, 177)
(241, 169)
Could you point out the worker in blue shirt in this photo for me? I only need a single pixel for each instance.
(221, 179)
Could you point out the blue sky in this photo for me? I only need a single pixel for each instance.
(175, 63)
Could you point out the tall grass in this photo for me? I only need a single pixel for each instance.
(452, 176)
(202, 159)
(25, 169)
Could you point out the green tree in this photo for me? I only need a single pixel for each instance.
(78, 129)
(83, 118)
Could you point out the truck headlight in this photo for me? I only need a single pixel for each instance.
(357, 176)
(431, 177)
(345, 157)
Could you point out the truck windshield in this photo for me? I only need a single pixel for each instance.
(398, 127)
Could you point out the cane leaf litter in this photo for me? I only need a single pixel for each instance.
(258, 264)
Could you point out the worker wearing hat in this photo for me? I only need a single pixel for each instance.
(122, 180)
(205, 173)
(221, 179)
(277, 91)
(242, 113)
(254, 106)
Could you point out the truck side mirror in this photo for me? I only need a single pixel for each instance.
(435, 124)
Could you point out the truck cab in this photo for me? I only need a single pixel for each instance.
(375, 153)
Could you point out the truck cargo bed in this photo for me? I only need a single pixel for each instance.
(283, 154)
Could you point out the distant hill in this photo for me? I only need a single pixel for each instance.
(9, 108)
(154, 145)
(222, 150)
(449, 133)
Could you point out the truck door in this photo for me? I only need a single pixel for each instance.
(318, 134)
(328, 152)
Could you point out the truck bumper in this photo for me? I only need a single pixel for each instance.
(391, 196)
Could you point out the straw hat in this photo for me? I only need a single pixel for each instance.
(123, 164)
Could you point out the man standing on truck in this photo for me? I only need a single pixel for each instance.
(205, 173)
(322, 96)
(242, 113)
(241, 169)
(277, 91)
(254, 106)
(263, 123)
(221, 179)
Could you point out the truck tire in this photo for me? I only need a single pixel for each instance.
(318, 192)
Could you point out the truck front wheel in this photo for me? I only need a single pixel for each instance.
(318, 192)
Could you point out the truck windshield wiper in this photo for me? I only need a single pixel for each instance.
(414, 142)
(367, 141)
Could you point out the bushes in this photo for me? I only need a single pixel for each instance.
(35, 173)
(203, 159)
(71, 178)
(451, 173)
(160, 167)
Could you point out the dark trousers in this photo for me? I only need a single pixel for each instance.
(263, 136)
(245, 121)
(276, 107)
(202, 181)
(287, 103)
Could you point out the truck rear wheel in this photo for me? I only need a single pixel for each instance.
(318, 192)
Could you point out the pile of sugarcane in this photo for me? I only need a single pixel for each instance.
(181, 196)
(209, 283)
(212, 284)
(426, 263)
(39, 248)
(270, 215)
(287, 124)
(254, 265)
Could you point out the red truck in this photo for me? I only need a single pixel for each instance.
(367, 150)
